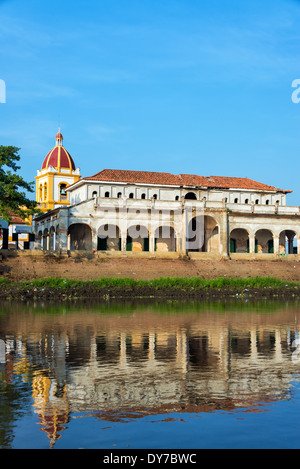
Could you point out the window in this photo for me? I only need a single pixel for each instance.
(177, 197)
(106, 194)
(94, 195)
(257, 201)
(119, 195)
(267, 202)
(236, 201)
(62, 191)
(143, 196)
(246, 201)
(131, 195)
(277, 202)
(155, 196)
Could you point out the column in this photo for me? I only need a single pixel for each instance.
(278, 348)
(253, 339)
(182, 350)
(63, 230)
(252, 243)
(94, 239)
(123, 357)
(276, 244)
(152, 241)
(224, 234)
(151, 355)
(123, 241)
(184, 231)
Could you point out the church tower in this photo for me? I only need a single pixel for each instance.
(57, 173)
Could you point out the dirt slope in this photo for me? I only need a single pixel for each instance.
(27, 268)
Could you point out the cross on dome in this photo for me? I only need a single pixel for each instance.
(59, 138)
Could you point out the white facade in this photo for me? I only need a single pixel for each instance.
(84, 190)
(125, 218)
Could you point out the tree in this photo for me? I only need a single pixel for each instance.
(13, 188)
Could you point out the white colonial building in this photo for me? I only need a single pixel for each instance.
(120, 212)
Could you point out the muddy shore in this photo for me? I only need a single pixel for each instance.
(23, 268)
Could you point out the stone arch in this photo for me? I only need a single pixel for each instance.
(203, 234)
(109, 238)
(239, 240)
(264, 241)
(137, 238)
(165, 239)
(287, 244)
(190, 196)
(80, 237)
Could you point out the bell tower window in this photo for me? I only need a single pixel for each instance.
(62, 191)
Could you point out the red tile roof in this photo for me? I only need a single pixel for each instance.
(119, 175)
(167, 179)
(16, 220)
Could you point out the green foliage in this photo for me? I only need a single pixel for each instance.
(187, 284)
(13, 188)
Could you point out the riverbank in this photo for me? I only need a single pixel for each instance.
(21, 267)
(256, 288)
(48, 277)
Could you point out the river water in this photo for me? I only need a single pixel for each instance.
(149, 375)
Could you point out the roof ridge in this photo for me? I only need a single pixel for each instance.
(163, 178)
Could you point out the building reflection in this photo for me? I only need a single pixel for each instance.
(51, 405)
(128, 366)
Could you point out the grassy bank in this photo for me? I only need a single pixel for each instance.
(106, 288)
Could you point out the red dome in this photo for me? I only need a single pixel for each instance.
(59, 157)
(59, 136)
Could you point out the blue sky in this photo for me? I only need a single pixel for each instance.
(191, 86)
